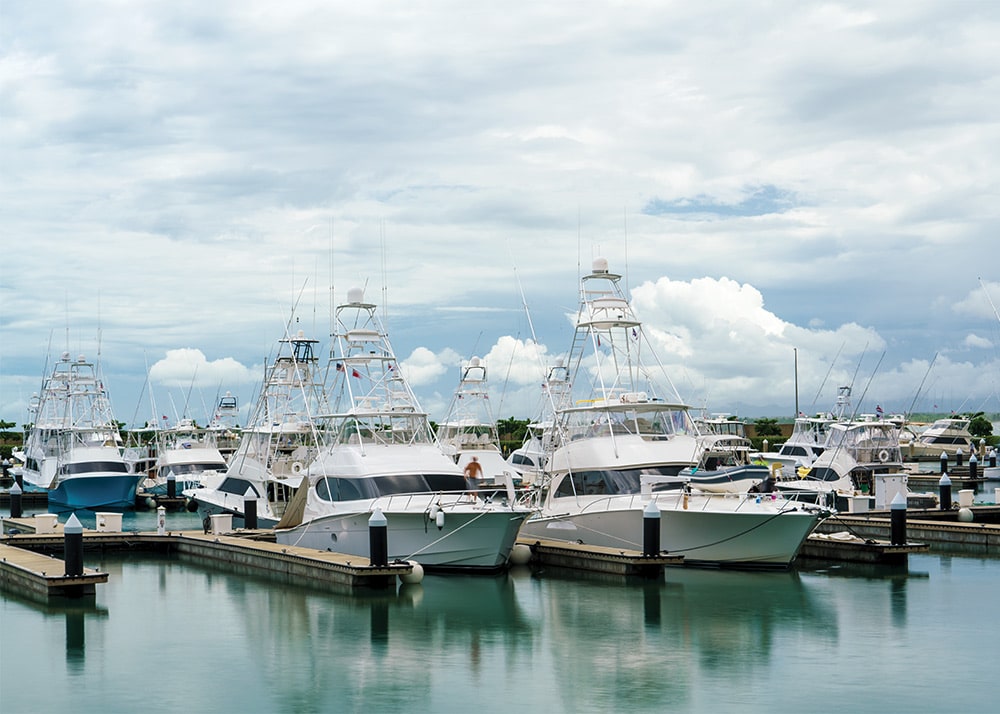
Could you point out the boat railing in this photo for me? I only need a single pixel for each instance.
(683, 500)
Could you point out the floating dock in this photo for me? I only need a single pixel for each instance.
(245, 552)
(847, 546)
(941, 531)
(594, 558)
(41, 578)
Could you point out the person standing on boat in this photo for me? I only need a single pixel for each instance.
(473, 472)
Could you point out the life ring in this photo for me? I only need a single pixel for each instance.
(296, 467)
(883, 455)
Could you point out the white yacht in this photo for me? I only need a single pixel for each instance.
(862, 459)
(380, 453)
(622, 444)
(808, 438)
(73, 449)
(277, 444)
(725, 461)
(184, 452)
(947, 436)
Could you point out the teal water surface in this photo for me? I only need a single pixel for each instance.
(169, 636)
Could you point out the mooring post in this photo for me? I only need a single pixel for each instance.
(944, 462)
(378, 539)
(250, 510)
(73, 546)
(958, 457)
(993, 458)
(973, 466)
(15, 501)
(897, 512)
(161, 520)
(651, 530)
(171, 486)
(944, 491)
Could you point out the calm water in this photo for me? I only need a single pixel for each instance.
(170, 636)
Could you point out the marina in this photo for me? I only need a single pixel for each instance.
(696, 640)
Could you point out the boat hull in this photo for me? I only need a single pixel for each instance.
(733, 531)
(471, 537)
(113, 491)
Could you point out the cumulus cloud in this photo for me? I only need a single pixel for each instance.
(836, 209)
(188, 367)
(424, 366)
(977, 342)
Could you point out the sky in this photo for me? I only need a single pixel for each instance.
(799, 196)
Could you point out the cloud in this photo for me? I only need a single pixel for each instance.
(188, 367)
(977, 342)
(424, 367)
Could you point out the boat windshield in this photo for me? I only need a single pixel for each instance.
(332, 488)
(87, 467)
(613, 482)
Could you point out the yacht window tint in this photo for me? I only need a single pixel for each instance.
(237, 486)
(326, 489)
(445, 482)
(86, 467)
(400, 483)
(350, 489)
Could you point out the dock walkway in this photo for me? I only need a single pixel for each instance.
(245, 552)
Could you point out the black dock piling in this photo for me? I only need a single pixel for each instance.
(73, 546)
(651, 530)
(944, 490)
(250, 510)
(15, 501)
(378, 539)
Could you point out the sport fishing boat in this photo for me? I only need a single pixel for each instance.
(862, 460)
(621, 445)
(809, 435)
(73, 449)
(277, 444)
(381, 454)
(184, 452)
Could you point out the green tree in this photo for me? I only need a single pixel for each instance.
(979, 426)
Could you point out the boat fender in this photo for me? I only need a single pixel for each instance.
(883, 455)
(439, 520)
(296, 467)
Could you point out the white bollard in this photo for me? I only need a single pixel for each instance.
(161, 520)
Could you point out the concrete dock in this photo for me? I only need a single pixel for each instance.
(41, 578)
(594, 558)
(245, 552)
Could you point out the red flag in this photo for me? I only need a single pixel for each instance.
(355, 373)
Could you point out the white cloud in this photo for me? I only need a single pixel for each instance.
(188, 367)
(977, 342)
(800, 177)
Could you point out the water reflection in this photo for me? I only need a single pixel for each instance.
(640, 646)
(697, 640)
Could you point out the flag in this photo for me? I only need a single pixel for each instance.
(635, 334)
(391, 368)
(356, 373)
(878, 411)
(340, 367)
